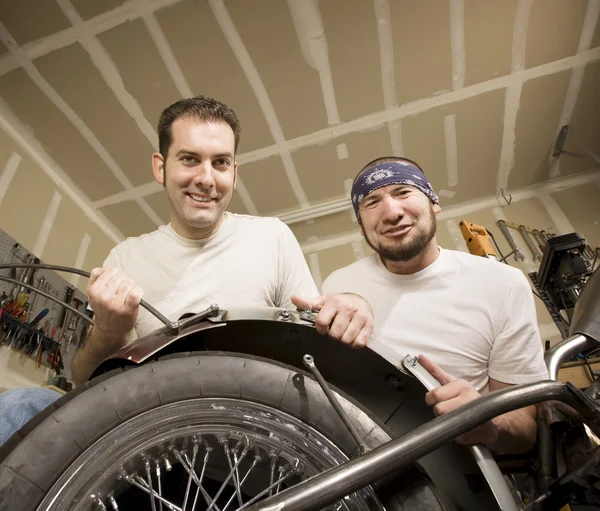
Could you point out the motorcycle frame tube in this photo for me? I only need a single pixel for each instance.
(328, 487)
(556, 356)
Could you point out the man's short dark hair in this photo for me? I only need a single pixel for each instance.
(200, 108)
(387, 159)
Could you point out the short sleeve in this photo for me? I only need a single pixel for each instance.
(517, 353)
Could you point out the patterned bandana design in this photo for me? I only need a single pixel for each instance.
(394, 173)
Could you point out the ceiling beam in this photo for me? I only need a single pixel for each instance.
(383, 19)
(72, 116)
(164, 48)
(183, 87)
(457, 43)
(512, 97)
(109, 72)
(308, 23)
(144, 190)
(128, 11)
(24, 139)
(378, 119)
(260, 91)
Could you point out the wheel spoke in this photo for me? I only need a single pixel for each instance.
(160, 504)
(236, 474)
(149, 477)
(273, 467)
(256, 460)
(145, 488)
(290, 473)
(281, 470)
(229, 476)
(192, 465)
(194, 476)
(206, 456)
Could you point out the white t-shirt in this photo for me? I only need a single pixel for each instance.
(472, 316)
(249, 262)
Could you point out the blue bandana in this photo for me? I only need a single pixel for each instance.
(394, 173)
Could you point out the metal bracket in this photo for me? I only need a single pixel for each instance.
(307, 315)
(212, 312)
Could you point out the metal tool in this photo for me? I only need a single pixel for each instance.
(62, 318)
(41, 283)
(483, 456)
(49, 296)
(4, 303)
(539, 238)
(14, 274)
(309, 363)
(511, 242)
(535, 253)
(172, 326)
(75, 320)
(71, 337)
(28, 273)
(39, 317)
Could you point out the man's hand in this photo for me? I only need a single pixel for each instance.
(115, 300)
(344, 317)
(453, 394)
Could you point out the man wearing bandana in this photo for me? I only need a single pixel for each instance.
(473, 318)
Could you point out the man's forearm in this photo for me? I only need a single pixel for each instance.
(517, 431)
(96, 348)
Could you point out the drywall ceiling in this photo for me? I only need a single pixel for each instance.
(474, 90)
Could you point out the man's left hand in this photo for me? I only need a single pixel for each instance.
(345, 317)
(453, 394)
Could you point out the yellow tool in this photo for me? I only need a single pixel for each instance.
(478, 240)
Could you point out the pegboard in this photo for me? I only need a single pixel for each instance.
(58, 284)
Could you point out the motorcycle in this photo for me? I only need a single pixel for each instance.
(252, 409)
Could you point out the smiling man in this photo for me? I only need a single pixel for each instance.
(474, 318)
(204, 255)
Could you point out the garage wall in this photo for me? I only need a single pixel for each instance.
(42, 217)
(45, 220)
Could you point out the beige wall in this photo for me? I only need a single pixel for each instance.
(575, 208)
(24, 215)
(26, 204)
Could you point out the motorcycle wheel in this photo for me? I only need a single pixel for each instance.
(198, 430)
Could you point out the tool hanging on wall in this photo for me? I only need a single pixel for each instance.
(511, 242)
(477, 239)
(565, 264)
(535, 253)
(41, 283)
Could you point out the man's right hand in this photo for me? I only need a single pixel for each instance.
(115, 300)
